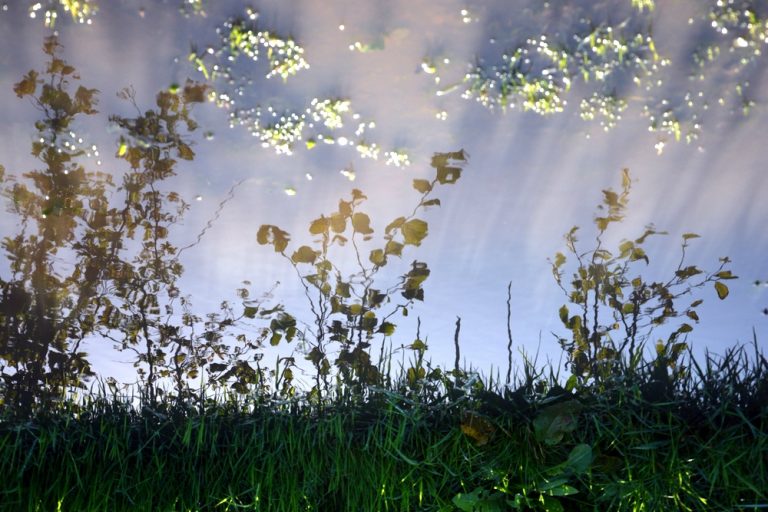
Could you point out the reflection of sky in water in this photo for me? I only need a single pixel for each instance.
(529, 177)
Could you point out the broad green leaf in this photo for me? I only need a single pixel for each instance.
(725, 274)
(275, 339)
(250, 311)
(467, 502)
(684, 328)
(431, 202)
(580, 458)
(688, 236)
(722, 290)
(414, 231)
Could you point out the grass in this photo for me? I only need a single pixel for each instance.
(443, 447)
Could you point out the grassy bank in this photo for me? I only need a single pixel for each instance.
(455, 443)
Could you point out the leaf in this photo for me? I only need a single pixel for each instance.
(398, 222)
(467, 502)
(250, 311)
(275, 339)
(338, 223)
(272, 235)
(387, 328)
(361, 223)
(431, 202)
(580, 458)
(27, 85)
(414, 231)
(217, 367)
(722, 290)
(304, 254)
(393, 248)
(688, 236)
(422, 186)
(684, 328)
(477, 427)
(378, 257)
(194, 92)
(448, 175)
(725, 274)
(319, 226)
(185, 152)
(555, 421)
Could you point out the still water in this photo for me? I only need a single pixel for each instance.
(298, 103)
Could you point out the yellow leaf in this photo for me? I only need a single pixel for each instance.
(722, 290)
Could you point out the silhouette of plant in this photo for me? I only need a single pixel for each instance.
(616, 309)
(348, 310)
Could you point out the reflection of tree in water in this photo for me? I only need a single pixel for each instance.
(607, 53)
(121, 279)
(46, 310)
(225, 66)
(94, 261)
